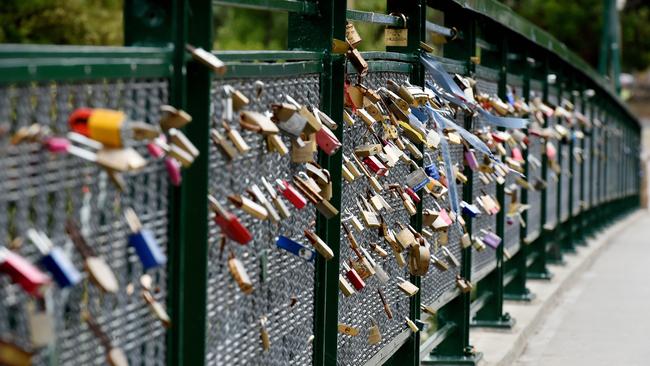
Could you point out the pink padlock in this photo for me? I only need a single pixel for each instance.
(470, 158)
(23, 273)
(327, 141)
(375, 165)
(291, 194)
(550, 151)
(155, 150)
(516, 154)
(57, 145)
(173, 171)
(442, 214)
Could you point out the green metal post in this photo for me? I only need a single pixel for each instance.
(569, 226)
(315, 32)
(455, 349)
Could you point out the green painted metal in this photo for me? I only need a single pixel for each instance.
(375, 18)
(254, 70)
(294, 6)
(266, 56)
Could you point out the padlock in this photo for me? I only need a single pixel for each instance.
(259, 122)
(178, 138)
(278, 203)
(375, 165)
(465, 241)
(353, 277)
(346, 174)
(351, 166)
(386, 305)
(443, 220)
(256, 192)
(367, 150)
(345, 286)
(491, 239)
(354, 222)
(207, 58)
(227, 148)
(379, 250)
(12, 354)
(98, 270)
(304, 153)
(110, 127)
(119, 160)
(463, 285)
(23, 273)
(295, 248)
(350, 237)
(380, 273)
(289, 121)
(351, 34)
(239, 274)
(348, 330)
(417, 179)
(327, 141)
(405, 237)
(291, 194)
(369, 218)
(229, 223)
(357, 60)
(249, 206)
(114, 355)
(470, 160)
(374, 334)
(158, 309)
(173, 168)
(439, 264)
(264, 334)
(55, 260)
(450, 256)
(321, 247)
(236, 139)
(144, 242)
(419, 259)
(478, 244)
(173, 118)
(326, 209)
(470, 209)
(407, 287)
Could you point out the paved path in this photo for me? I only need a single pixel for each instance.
(604, 319)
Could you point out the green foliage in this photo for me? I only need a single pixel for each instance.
(578, 24)
(245, 29)
(82, 22)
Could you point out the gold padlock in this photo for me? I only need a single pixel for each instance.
(351, 34)
(345, 287)
(407, 287)
(419, 259)
(240, 275)
(374, 334)
(348, 330)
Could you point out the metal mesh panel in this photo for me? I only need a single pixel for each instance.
(42, 191)
(594, 181)
(551, 178)
(358, 309)
(533, 223)
(436, 283)
(285, 296)
(586, 156)
(577, 169)
(482, 260)
(512, 225)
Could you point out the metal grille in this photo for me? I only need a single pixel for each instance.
(483, 261)
(359, 309)
(436, 283)
(512, 225)
(577, 168)
(42, 191)
(586, 156)
(551, 179)
(596, 160)
(534, 220)
(284, 292)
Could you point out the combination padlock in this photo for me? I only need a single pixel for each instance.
(23, 273)
(55, 260)
(144, 242)
(229, 223)
(295, 248)
(110, 127)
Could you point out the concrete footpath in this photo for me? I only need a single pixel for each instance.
(593, 312)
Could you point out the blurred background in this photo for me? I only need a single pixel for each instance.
(580, 24)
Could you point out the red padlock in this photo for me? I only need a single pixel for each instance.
(375, 165)
(354, 277)
(23, 273)
(414, 196)
(291, 194)
(327, 141)
(229, 223)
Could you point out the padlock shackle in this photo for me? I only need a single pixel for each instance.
(78, 120)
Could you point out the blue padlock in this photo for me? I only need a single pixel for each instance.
(470, 209)
(144, 242)
(295, 248)
(55, 260)
(432, 171)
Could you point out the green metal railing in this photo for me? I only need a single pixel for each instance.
(213, 323)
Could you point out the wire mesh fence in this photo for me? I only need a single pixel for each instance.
(283, 283)
(43, 191)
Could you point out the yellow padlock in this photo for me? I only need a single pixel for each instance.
(105, 126)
